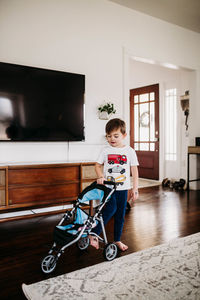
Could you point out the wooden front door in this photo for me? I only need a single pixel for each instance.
(144, 129)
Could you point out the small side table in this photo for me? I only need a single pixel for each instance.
(192, 150)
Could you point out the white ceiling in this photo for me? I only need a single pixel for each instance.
(184, 13)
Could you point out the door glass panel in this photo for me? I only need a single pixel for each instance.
(136, 99)
(152, 121)
(152, 146)
(152, 96)
(136, 146)
(136, 137)
(144, 122)
(144, 146)
(144, 97)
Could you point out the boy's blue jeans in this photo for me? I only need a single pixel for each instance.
(116, 207)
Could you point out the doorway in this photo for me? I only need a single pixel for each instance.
(144, 129)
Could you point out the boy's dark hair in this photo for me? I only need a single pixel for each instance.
(115, 124)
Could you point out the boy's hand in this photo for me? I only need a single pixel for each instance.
(101, 180)
(134, 194)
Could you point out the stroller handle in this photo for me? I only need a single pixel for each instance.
(110, 183)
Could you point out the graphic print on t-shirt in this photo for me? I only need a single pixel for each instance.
(116, 159)
(119, 162)
(119, 179)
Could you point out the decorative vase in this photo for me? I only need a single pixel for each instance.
(103, 115)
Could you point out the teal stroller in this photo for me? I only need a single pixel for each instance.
(76, 226)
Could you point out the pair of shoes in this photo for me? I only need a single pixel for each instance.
(121, 246)
(94, 241)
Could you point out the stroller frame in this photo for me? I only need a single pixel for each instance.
(110, 252)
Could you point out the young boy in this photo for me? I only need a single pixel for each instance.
(117, 160)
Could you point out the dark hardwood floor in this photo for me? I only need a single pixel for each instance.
(157, 217)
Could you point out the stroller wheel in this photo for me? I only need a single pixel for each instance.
(48, 263)
(83, 243)
(110, 251)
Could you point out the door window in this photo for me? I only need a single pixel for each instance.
(144, 122)
(170, 124)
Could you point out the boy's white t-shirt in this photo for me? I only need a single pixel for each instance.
(117, 163)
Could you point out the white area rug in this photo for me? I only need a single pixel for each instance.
(166, 272)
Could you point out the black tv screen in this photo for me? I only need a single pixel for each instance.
(40, 105)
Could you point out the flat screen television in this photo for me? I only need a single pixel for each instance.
(40, 105)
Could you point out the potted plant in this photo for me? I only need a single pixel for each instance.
(106, 110)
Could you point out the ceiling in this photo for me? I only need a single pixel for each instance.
(184, 13)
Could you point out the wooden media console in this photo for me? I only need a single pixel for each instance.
(42, 185)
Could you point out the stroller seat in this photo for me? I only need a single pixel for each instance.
(69, 232)
(64, 234)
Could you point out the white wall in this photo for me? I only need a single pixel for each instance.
(88, 37)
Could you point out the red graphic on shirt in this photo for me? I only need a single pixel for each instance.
(117, 159)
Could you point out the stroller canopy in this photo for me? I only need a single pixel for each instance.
(94, 192)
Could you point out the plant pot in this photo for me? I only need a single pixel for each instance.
(103, 115)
